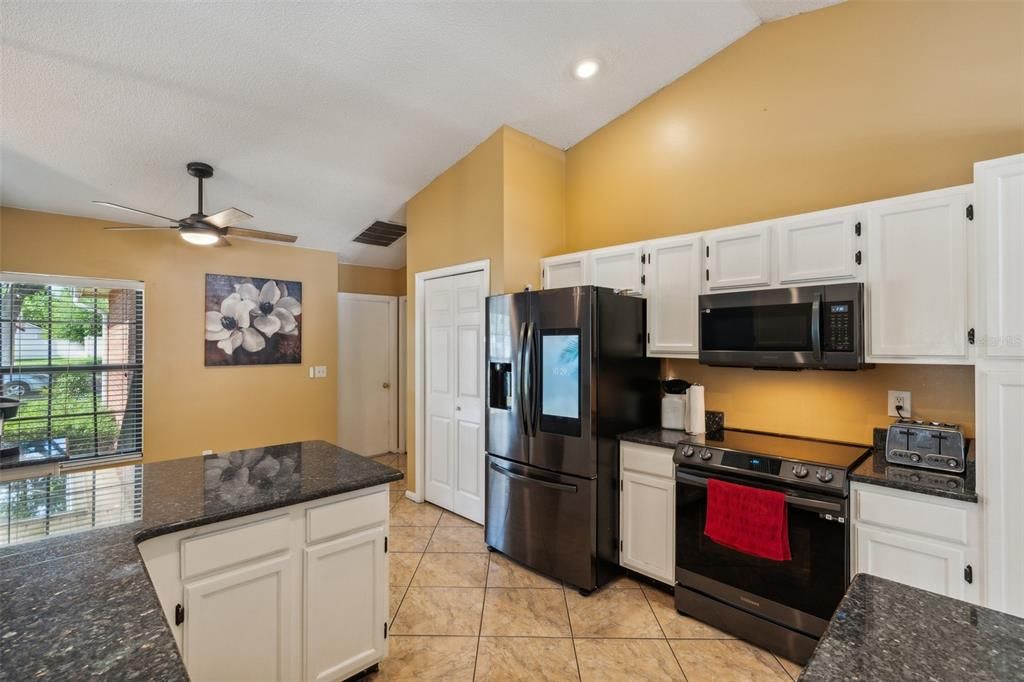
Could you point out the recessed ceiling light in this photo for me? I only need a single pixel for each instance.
(586, 69)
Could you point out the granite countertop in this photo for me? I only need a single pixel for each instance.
(877, 471)
(883, 630)
(81, 604)
(654, 435)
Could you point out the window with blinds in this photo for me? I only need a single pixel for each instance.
(71, 352)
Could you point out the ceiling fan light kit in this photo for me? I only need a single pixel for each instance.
(201, 229)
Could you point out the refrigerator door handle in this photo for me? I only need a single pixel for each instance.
(530, 479)
(534, 381)
(522, 380)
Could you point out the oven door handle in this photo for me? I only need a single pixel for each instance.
(792, 500)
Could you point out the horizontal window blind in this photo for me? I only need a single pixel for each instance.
(71, 351)
(49, 505)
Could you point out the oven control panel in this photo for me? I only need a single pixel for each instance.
(782, 471)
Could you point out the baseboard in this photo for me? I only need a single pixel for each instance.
(411, 494)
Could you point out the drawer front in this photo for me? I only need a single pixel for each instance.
(338, 518)
(918, 516)
(648, 459)
(220, 549)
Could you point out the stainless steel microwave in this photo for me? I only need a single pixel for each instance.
(815, 327)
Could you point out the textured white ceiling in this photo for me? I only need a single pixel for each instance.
(318, 117)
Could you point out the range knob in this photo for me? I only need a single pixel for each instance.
(952, 463)
(705, 454)
(915, 457)
(800, 471)
(824, 475)
(687, 451)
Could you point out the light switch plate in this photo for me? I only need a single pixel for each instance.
(902, 399)
(321, 371)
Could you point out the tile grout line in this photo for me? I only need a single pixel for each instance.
(662, 628)
(572, 635)
(483, 606)
(784, 668)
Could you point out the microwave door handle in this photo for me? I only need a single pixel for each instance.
(816, 326)
(792, 500)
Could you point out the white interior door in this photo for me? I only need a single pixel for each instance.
(403, 382)
(367, 369)
(454, 386)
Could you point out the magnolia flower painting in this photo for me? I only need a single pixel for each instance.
(252, 321)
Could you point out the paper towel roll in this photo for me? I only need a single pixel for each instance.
(695, 409)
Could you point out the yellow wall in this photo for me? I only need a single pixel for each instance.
(858, 101)
(188, 407)
(534, 206)
(830, 405)
(504, 201)
(359, 279)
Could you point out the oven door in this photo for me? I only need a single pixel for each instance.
(767, 328)
(800, 593)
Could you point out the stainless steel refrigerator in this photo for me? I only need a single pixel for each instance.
(566, 373)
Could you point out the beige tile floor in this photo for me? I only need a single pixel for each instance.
(459, 612)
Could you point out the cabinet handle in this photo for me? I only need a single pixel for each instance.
(969, 574)
(179, 614)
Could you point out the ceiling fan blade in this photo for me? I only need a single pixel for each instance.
(247, 233)
(228, 216)
(135, 210)
(119, 228)
(222, 242)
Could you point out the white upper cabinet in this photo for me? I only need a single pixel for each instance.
(820, 246)
(739, 257)
(999, 212)
(674, 270)
(618, 267)
(570, 270)
(917, 278)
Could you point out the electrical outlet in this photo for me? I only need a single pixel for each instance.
(899, 399)
(321, 371)
(207, 452)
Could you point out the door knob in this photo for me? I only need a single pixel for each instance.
(458, 409)
(387, 385)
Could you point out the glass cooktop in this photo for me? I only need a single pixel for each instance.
(835, 455)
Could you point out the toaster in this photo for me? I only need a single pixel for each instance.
(924, 444)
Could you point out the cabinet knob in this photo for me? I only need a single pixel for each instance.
(386, 385)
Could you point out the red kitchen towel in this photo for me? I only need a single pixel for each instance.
(749, 520)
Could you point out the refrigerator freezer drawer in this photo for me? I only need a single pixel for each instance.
(543, 520)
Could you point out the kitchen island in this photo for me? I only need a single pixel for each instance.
(83, 603)
(883, 630)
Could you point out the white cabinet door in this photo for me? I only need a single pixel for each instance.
(346, 605)
(912, 560)
(1000, 443)
(674, 269)
(739, 257)
(821, 246)
(999, 212)
(618, 267)
(570, 270)
(917, 282)
(648, 525)
(240, 624)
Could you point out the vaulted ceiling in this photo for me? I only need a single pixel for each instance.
(318, 117)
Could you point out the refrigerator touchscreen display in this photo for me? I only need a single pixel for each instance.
(560, 375)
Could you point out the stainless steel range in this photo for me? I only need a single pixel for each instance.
(782, 606)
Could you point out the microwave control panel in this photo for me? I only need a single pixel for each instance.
(839, 326)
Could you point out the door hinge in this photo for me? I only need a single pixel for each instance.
(707, 275)
(856, 228)
(385, 544)
(970, 336)
(707, 250)
(970, 211)
(179, 614)
(620, 485)
(621, 546)
(385, 629)
(857, 257)
(643, 279)
(969, 574)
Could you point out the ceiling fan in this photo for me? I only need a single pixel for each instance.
(202, 229)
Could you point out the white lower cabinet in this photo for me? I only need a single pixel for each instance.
(924, 541)
(351, 571)
(248, 611)
(647, 505)
(297, 593)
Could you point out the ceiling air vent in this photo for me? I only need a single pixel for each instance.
(381, 234)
